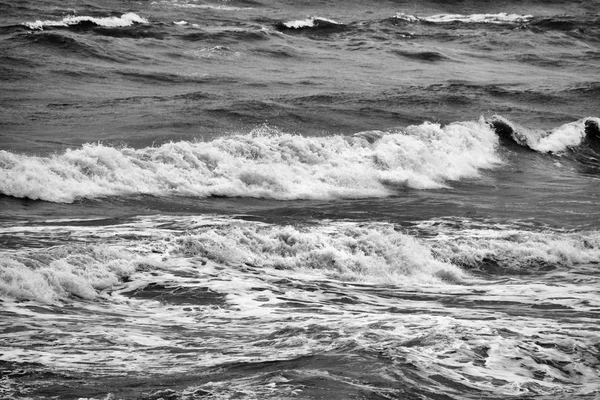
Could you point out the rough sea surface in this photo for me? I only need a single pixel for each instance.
(255, 199)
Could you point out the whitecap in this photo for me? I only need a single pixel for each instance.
(124, 20)
(309, 22)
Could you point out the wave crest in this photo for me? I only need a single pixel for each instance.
(560, 139)
(127, 19)
(264, 164)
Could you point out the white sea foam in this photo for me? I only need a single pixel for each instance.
(127, 19)
(59, 272)
(348, 252)
(375, 253)
(284, 292)
(342, 251)
(517, 250)
(264, 163)
(310, 22)
(499, 18)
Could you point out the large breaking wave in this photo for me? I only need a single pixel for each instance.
(262, 164)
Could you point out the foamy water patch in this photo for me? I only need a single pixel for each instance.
(498, 18)
(80, 271)
(204, 293)
(347, 252)
(509, 249)
(264, 164)
(127, 19)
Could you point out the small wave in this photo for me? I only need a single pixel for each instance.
(429, 56)
(310, 23)
(124, 20)
(263, 164)
(500, 18)
(565, 137)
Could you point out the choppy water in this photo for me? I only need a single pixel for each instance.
(277, 200)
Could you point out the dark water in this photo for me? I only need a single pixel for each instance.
(277, 200)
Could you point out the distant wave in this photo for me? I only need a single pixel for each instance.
(264, 164)
(124, 20)
(500, 18)
(310, 23)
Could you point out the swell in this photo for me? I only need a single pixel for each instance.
(265, 163)
(70, 45)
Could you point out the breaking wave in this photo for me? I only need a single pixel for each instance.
(568, 136)
(310, 23)
(262, 164)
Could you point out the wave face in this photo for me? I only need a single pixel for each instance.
(264, 163)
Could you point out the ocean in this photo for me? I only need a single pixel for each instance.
(252, 199)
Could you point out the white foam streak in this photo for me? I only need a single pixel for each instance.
(124, 20)
(264, 163)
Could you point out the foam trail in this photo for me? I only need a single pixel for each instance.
(124, 20)
(262, 164)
